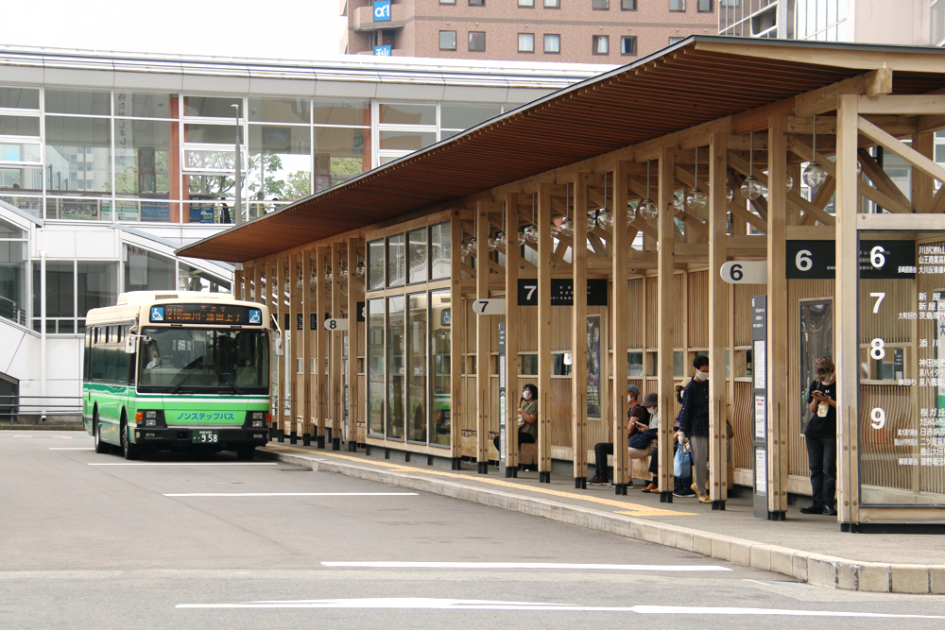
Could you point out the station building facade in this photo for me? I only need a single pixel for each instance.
(108, 163)
(627, 189)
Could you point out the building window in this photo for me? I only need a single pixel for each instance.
(677, 5)
(527, 3)
(675, 40)
(477, 40)
(552, 44)
(447, 40)
(477, 3)
(601, 45)
(552, 4)
(704, 6)
(526, 42)
(600, 5)
(447, 1)
(628, 5)
(628, 45)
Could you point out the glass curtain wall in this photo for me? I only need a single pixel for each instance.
(21, 151)
(409, 336)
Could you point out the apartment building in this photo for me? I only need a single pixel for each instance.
(573, 31)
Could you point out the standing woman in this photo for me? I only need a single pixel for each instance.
(527, 417)
(821, 437)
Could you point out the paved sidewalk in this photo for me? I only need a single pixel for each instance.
(807, 548)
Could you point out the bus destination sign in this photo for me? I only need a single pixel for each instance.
(207, 314)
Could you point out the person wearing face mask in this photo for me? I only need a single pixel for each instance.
(821, 437)
(694, 424)
(527, 417)
(637, 421)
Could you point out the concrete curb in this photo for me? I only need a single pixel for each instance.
(814, 569)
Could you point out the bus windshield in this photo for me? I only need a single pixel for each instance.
(203, 360)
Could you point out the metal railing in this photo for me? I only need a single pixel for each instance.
(11, 310)
(13, 409)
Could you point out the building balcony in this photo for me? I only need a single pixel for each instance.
(364, 18)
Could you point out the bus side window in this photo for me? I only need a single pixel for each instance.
(86, 354)
(98, 355)
(113, 354)
(130, 360)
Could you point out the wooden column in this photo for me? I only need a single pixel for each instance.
(579, 333)
(297, 340)
(923, 185)
(483, 330)
(619, 323)
(321, 346)
(545, 359)
(279, 296)
(513, 361)
(336, 362)
(719, 315)
(666, 243)
(457, 326)
(846, 336)
(777, 318)
(238, 280)
(259, 271)
(306, 341)
(355, 294)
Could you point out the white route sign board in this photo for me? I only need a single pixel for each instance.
(336, 324)
(745, 272)
(492, 306)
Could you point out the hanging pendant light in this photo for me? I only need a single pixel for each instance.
(631, 213)
(521, 238)
(814, 174)
(751, 189)
(567, 223)
(531, 231)
(729, 193)
(678, 205)
(491, 242)
(359, 270)
(500, 240)
(697, 199)
(789, 182)
(554, 229)
(648, 208)
(605, 218)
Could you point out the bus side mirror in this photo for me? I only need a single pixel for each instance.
(130, 342)
(277, 345)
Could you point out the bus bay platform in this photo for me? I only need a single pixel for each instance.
(809, 549)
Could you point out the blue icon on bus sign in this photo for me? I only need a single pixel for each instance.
(157, 313)
(255, 316)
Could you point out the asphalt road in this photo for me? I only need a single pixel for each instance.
(91, 541)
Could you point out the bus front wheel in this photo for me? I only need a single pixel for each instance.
(100, 446)
(129, 450)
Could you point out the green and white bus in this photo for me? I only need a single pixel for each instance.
(178, 370)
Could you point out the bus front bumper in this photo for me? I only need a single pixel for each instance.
(216, 436)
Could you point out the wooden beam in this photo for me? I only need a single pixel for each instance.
(665, 318)
(513, 361)
(923, 186)
(777, 352)
(336, 360)
(792, 197)
(291, 379)
(483, 402)
(903, 104)
(282, 392)
(356, 423)
(579, 335)
(881, 180)
(620, 323)
(718, 319)
(907, 153)
(545, 358)
(846, 338)
(321, 346)
(457, 332)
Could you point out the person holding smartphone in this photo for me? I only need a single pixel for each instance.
(638, 420)
(821, 437)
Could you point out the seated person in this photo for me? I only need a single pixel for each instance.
(637, 421)
(527, 417)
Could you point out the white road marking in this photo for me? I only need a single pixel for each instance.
(182, 464)
(22, 436)
(71, 448)
(296, 494)
(417, 603)
(523, 565)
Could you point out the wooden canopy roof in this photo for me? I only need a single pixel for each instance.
(696, 81)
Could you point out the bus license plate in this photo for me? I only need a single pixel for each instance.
(204, 436)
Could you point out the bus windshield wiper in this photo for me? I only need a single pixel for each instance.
(192, 366)
(226, 376)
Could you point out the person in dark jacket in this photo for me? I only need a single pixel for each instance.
(637, 418)
(694, 424)
(821, 437)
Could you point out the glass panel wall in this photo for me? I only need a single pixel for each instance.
(375, 367)
(148, 271)
(395, 367)
(280, 162)
(193, 279)
(440, 251)
(417, 256)
(96, 287)
(440, 318)
(416, 364)
(395, 261)
(375, 253)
